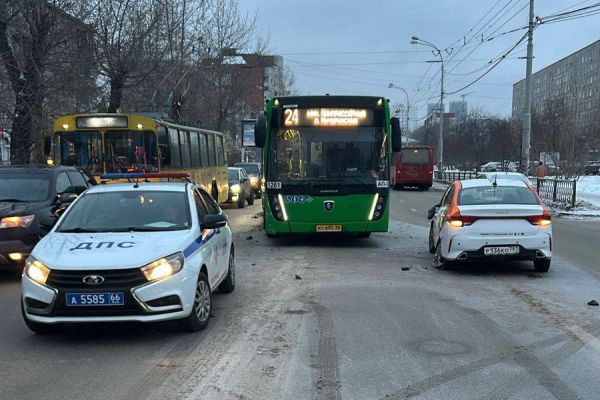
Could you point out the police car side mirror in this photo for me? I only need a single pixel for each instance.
(214, 221)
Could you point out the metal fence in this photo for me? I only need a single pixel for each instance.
(561, 190)
(451, 176)
(556, 190)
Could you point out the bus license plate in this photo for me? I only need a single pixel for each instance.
(96, 299)
(329, 228)
(501, 251)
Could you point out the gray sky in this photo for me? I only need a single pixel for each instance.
(312, 35)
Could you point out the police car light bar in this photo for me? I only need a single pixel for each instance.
(146, 175)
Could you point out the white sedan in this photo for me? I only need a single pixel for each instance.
(131, 252)
(479, 219)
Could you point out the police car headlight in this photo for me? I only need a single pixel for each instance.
(235, 188)
(163, 267)
(16, 222)
(36, 271)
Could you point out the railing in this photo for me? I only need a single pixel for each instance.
(557, 190)
(451, 176)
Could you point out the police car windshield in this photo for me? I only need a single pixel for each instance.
(144, 211)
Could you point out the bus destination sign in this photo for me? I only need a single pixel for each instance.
(101, 122)
(327, 117)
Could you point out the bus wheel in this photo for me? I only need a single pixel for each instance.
(363, 234)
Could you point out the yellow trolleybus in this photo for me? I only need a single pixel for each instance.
(126, 143)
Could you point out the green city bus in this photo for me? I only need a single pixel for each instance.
(129, 143)
(327, 163)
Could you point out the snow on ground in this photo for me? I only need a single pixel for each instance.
(588, 189)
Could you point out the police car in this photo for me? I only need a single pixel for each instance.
(140, 251)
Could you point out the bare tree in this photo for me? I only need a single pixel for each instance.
(128, 42)
(32, 33)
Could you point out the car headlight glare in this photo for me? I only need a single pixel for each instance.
(235, 188)
(36, 271)
(254, 180)
(163, 267)
(22, 221)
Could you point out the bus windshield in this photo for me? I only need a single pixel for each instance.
(415, 156)
(81, 149)
(315, 153)
(130, 151)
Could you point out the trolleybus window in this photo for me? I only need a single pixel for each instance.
(174, 144)
(163, 144)
(130, 151)
(211, 150)
(195, 149)
(184, 143)
(203, 150)
(81, 149)
(220, 151)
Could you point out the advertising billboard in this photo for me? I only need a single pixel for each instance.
(248, 133)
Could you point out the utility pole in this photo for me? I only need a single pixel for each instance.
(437, 52)
(526, 144)
(442, 109)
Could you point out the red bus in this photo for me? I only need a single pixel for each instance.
(414, 167)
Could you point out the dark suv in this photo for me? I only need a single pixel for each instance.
(31, 200)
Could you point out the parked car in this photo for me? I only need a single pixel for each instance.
(480, 220)
(492, 176)
(240, 188)
(491, 167)
(254, 171)
(32, 198)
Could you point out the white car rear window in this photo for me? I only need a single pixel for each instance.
(485, 195)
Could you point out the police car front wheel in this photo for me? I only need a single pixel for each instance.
(200, 314)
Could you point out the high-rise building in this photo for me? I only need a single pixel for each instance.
(433, 107)
(400, 112)
(574, 80)
(459, 109)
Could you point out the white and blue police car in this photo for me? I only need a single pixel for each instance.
(140, 251)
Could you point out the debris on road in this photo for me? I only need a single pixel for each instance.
(298, 277)
(249, 237)
(405, 268)
(592, 303)
(532, 275)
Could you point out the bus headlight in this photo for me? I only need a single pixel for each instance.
(235, 188)
(163, 267)
(36, 271)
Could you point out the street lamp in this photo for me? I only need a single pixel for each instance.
(437, 52)
(393, 86)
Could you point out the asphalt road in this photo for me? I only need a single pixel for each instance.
(339, 318)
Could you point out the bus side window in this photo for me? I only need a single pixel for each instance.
(163, 145)
(203, 150)
(174, 145)
(195, 149)
(211, 150)
(184, 142)
(219, 149)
